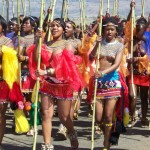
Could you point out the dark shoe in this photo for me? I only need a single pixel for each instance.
(144, 122)
(73, 140)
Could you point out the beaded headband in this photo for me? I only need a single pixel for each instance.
(110, 24)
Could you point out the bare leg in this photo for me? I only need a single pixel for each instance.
(99, 111)
(132, 101)
(3, 108)
(64, 108)
(108, 115)
(47, 106)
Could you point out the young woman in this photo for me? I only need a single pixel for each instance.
(76, 43)
(4, 90)
(109, 86)
(12, 28)
(140, 70)
(60, 79)
(29, 26)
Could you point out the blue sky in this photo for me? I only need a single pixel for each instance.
(92, 8)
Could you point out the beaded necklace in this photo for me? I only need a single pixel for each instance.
(57, 44)
(110, 49)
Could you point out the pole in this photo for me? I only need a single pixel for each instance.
(63, 7)
(51, 18)
(143, 5)
(29, 7)
(38, 79)
(7, 5)
(96, 80)
(108, 6)
(132, 28)
(66, 9)
(13, 8)
(3, 7)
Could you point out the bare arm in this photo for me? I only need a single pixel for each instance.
(141, 32)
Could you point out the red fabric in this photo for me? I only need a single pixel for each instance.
(15, 94)
(45, 59)
(28, 84)
(140, 80)
(65, 65)
(60, 91)
(123, 101)
(4, 91)
(90, 93)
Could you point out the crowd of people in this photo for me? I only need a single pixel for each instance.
(68, 69)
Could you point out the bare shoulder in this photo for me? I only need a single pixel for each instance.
(69, 46)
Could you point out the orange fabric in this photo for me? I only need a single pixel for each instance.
(123, 65)
(143, 63)
(128, 30)
(86, 67)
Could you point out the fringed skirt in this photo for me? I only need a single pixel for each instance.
(4, 91)
(56, 89)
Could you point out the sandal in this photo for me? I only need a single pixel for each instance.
(47, 147)
(73, 140)
(31, 132)
(75, 116)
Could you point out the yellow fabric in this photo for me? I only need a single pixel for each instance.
(123, 65)
(33, 94)
(21, 122)
(9, 65)
(126, 117)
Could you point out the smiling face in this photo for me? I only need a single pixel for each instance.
(56, 29)
(69, 30)
(110, 32)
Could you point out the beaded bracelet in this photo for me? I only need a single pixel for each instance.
(102, 74)
(49, 71)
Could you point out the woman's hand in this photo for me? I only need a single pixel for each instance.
(98, 39)
(132, 60)
(132, 4)
(21, 58)
(98, 74)
(39, 33)
(40, 72)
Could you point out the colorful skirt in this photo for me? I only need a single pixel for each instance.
(27, 82)
(56, 89)
(108, 87)
(4, 91)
